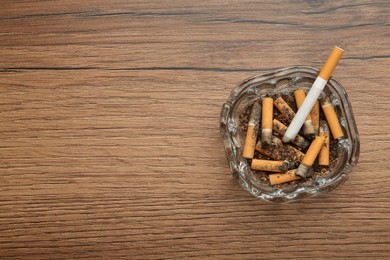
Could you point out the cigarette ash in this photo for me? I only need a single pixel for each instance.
(283, 152)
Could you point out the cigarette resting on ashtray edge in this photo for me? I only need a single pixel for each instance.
(313, 95)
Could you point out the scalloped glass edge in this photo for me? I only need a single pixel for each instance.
(259, 85)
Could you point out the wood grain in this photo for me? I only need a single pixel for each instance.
(109, 139)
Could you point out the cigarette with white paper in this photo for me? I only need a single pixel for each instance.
(314, 93)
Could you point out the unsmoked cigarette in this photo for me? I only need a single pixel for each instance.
(277, 178)
(284, 109)
(315, 117)
(331, 118)
(266, 121)
(252, 132)
(307, 125)
(270, 166)
(281, 129)
(310, 157)
(323, 156)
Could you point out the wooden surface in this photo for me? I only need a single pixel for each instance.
(109, 139)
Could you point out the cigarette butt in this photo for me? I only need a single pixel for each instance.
(284, 109)
(271, 150)
(270, 166)
(276, 141)
(310, 156)
(330, 64)
(281, 129)
(278, 150)
(323, 156)
(252, 132)
(315, 117)
(307, 125)
(331, 118)
(313, 151)
(266, 122)
(298, 155)
(277, 178)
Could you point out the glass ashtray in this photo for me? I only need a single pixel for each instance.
(278, 82)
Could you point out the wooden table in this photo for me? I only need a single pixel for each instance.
(109, 134)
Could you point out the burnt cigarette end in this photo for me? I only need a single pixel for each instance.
(266, 136)
(301, 142)
(304, 171)
(292, 165)
(284, 167)
(280, 128)
(308, 128)
(266, 122)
